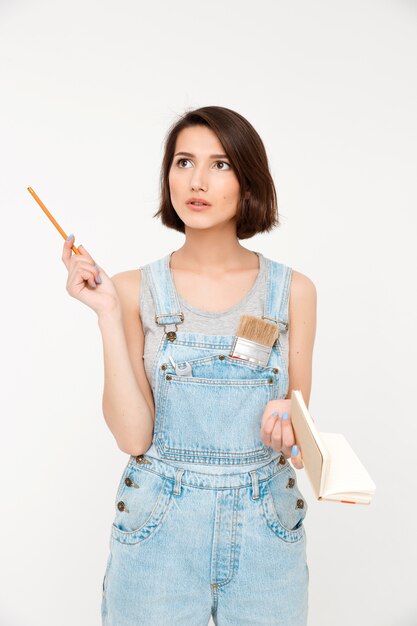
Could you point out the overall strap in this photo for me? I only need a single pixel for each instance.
(166, 305)
(278, 279)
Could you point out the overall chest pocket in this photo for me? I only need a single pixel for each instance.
(214, 415)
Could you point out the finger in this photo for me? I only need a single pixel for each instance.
(88, 275)
(85, 254)
(67, 252)
(268, 411)
(274, 407)
(77, 278)
(288, 438)
(268, 427)
(296, 457)
(276, 436)
(86, 264)
(101, 270)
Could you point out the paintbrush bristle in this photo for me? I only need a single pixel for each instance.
(258, 330)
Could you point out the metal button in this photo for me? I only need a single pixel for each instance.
(129, 482)
(164, 366)
(221, 357)
(140, 458)
(276, 370)
(270, 380)
(171, 335)
(281, 460)
(168, 377)
(121, 506)
(300, 504)
(291, 482)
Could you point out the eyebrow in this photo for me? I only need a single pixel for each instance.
(212, 156)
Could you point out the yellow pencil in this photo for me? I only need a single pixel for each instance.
(53, 220)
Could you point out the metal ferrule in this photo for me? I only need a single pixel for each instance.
(250, 351)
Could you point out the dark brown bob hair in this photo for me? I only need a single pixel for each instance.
(256, 213)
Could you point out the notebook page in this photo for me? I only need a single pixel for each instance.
(347, 473)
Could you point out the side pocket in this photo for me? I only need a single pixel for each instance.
(122, 484)
(142, 505)
(283, 506)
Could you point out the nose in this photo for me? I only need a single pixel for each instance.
(197, 187)
(197, 181)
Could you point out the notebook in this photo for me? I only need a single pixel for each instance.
(334, 470)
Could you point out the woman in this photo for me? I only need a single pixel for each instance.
(209, 517)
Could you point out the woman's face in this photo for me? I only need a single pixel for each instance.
(200, 169)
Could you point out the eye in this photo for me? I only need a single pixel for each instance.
(224, 163)
(179, 161)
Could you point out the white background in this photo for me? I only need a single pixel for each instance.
(88, 91)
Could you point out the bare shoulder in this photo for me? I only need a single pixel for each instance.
(303, 304)
(302, 287)
(127, 286)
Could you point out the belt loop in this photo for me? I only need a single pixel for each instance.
(177, 487)
(255, 484)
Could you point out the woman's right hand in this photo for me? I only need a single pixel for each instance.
(82, 272)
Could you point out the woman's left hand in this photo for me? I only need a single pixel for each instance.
(277, 432)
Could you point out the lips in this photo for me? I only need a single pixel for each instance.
(190, 200)
(198, 207)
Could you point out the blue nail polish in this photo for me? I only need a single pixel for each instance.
(285, 416)
(275, 413)
(69, 236)
(99, 279)
(294, 451)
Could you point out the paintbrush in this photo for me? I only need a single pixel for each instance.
(254, 339)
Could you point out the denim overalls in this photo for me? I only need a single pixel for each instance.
(214, 525)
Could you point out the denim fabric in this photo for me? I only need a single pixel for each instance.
(209, 522)
(195, 320)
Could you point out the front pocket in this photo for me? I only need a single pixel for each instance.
(214, 416)
(283, 506)
(122, 484)
(143, 506)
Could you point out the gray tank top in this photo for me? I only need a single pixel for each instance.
(196, 320)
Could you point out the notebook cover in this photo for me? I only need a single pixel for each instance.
(313, 451)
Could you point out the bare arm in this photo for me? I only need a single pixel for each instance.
(302, 332)
(128, 405)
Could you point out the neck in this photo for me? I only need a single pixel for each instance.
(209, 251)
